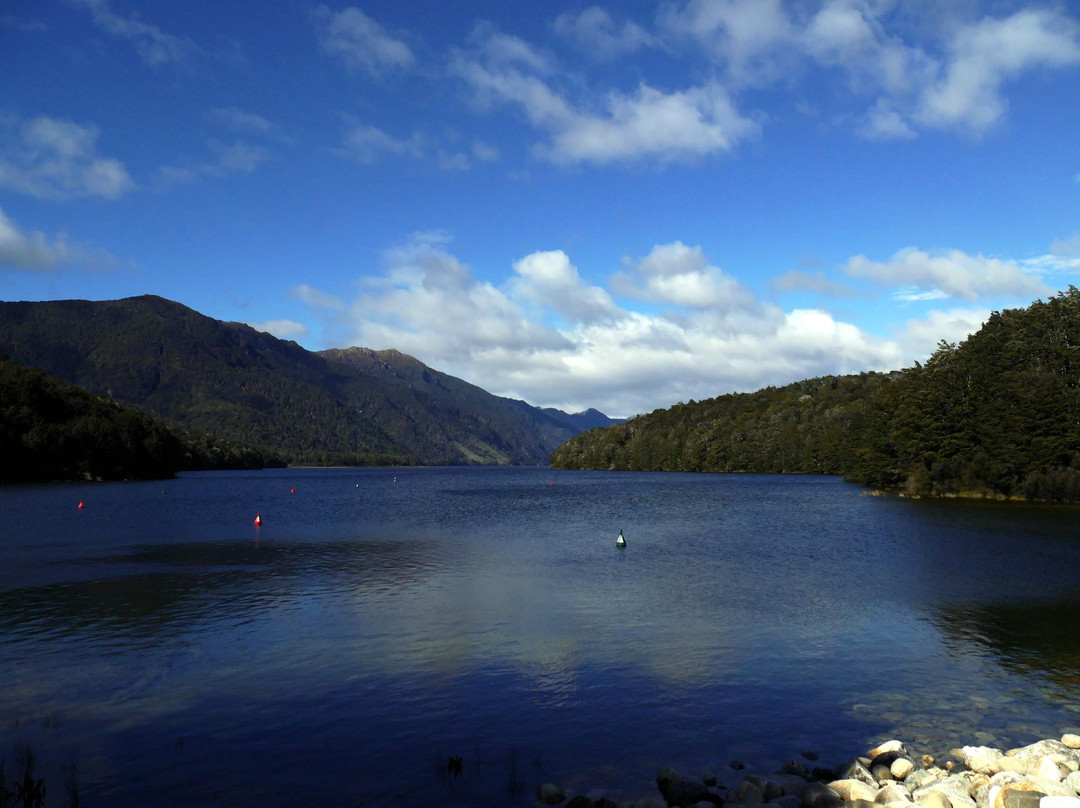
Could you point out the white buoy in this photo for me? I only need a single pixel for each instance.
(620, 542)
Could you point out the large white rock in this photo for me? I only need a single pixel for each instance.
(888, 746)
(894, 792)
(901, 768)
(1073, 781)
(986, 795)
(1017, 765)
(983, 759)
(1059, 802)
(1051, 788)
(1047, 769)
(852, 790)
(935, 799)
(956, 787)
(920, 778)
(1033, 753)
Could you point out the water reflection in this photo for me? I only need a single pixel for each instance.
(160, 590)
(1030, 639)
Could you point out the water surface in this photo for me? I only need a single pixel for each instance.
(156, 643)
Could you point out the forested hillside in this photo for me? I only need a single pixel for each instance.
(229, 380)
(997, 415)
(807, 427)
(51, 430)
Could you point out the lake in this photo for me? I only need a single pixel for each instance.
(158, 647)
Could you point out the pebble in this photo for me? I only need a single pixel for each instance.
(1045, 774)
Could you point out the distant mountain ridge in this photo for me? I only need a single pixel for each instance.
(344, 406)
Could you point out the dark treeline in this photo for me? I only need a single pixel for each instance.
(997, 415)
(51, 430)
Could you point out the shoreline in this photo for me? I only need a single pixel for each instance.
(1043, 774)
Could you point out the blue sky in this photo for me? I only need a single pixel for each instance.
(619, 206)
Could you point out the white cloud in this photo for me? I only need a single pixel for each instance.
(549, 337)
(484, 152)
(681, 275)
(752, 39)
(667, 127)
(153, 45)
(282, 329)
(428, 301)
(550, 281)
(457, 160)
(885, 123)
(918, 339)
(33, 251)
(50, 158)
(315, 299)
(1059, 261)
(360, 42)
(986, 54)
(505, 51)
(595, 32)
(238, 157)
(646, 124)
(948, 273)
(1067, 246)
(249, 124)
(935, 67)
(366, 144)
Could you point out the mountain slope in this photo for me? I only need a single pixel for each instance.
(230, 380)
(51, 430)
(506, 430)
(998, 415)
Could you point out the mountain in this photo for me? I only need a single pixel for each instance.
(229, 380)
(996, 416)
(52, 430)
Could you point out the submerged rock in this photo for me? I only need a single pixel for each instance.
(683, 791)
(580, 801)
(549, 794)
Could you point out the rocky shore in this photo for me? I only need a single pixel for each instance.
(1045, 774)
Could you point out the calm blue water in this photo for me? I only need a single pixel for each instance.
(156, 644)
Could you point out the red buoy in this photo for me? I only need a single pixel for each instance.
(292, 490)
(81, 505)
(258, 519)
